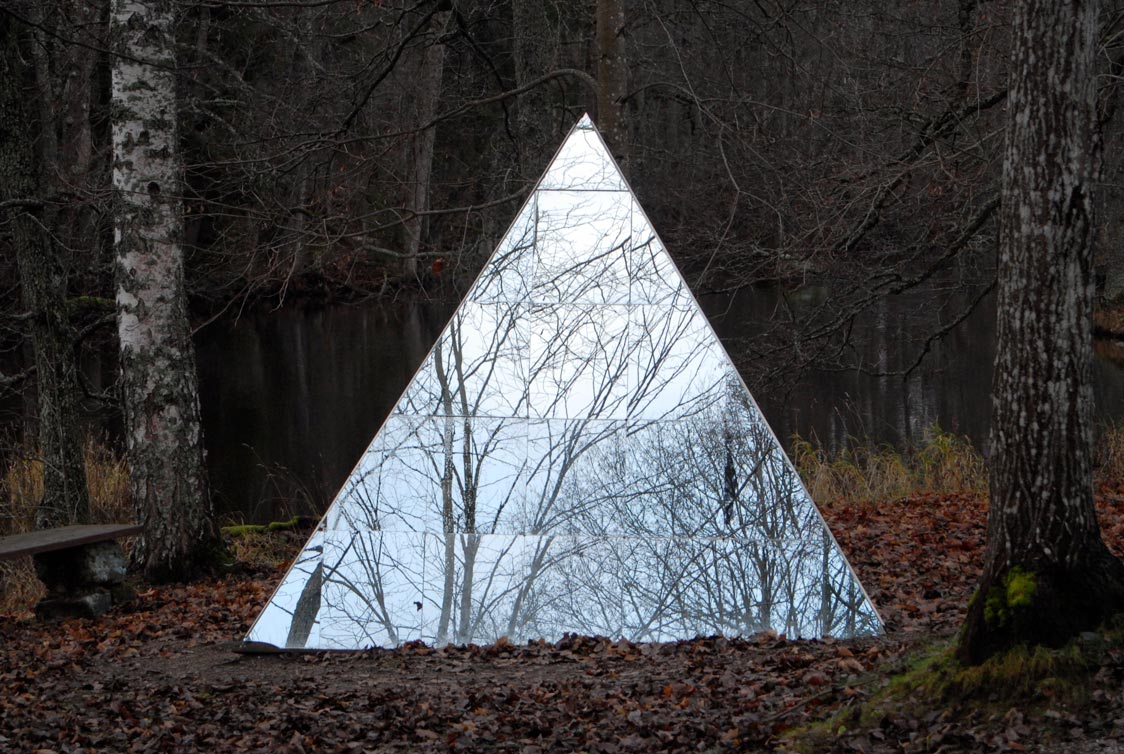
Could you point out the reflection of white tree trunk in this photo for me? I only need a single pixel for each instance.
(455, 408)
(448, 521)
(470, 544)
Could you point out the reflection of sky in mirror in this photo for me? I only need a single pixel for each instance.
(507, 276)
(576, 454)
(580, 247)
(478, 367)
(582, 163)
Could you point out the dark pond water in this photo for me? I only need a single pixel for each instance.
(291, 399)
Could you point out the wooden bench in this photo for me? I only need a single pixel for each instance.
(82, 566)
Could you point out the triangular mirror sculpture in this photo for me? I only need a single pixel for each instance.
(576, 454)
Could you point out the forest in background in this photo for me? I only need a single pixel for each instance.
(356, 149)
(171, 162)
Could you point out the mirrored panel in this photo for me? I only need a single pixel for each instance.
(478, 367)
(580, 247)
(373, 587)
(580, 361)
(653, 276)
(576, 454)
(678, 368)
(507, 275)
(437, 474)
(692, 477)
(582, 163)
(289, 619)
(384, 589)
(478, 585)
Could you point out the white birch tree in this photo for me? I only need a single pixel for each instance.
(612, 77)
(159, 385)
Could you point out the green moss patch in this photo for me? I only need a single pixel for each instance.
(1006, 601)
(933, 682)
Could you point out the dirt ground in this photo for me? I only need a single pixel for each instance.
(162, 675)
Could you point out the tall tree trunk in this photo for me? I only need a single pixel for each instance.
(421, 145)
(43, 283)
(535, 48)
(612, 77)
(470, 544)
(1047, 573)
(159, 383)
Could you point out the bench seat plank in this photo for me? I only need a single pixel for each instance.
(62, 538)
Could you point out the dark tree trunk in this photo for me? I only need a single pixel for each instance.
(612, 78)
(1047, 573)
(43, 281)
(420, 160)
(306, 610)
(159, 386)
(535, 51)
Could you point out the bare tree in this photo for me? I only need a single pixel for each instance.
(44, 268)
(1047, 572)
(419, 169)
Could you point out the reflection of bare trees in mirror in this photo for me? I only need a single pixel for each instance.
(576, 454)
(373, 587)
(580, 247)
(289, 619)
(478, 367)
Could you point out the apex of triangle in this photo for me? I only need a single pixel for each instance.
(583, 163)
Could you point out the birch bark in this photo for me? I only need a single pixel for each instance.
(1047, 573)
(159, 386)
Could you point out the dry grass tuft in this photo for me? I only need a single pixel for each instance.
(1109, 459)
(863, 471)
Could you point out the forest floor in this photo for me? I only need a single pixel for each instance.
(160, 674)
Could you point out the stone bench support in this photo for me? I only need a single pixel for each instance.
(83, 567)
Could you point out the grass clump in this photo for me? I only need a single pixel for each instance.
(1109, 457)
(107, 479)
(944, 463)
(1022, 675)
(863, 471)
